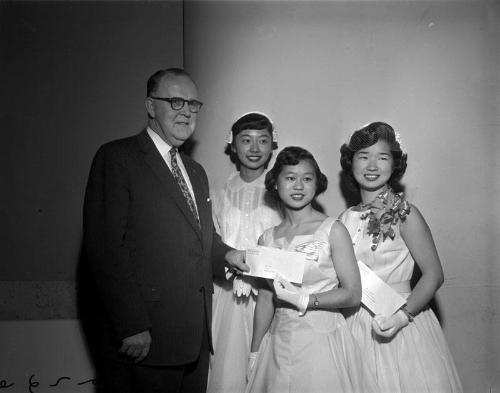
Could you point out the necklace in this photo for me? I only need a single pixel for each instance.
(383, 214)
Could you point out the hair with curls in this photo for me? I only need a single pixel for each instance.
(253, 121)
(292, 155)
(368, 136)
(155, 79)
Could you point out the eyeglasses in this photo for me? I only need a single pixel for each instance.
(177, 103)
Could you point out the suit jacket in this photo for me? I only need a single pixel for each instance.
(152, 264)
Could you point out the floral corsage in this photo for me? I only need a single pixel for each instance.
(383, 214)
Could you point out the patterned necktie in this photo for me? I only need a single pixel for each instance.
(176, 171)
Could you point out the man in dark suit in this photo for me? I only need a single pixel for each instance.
(152, 249)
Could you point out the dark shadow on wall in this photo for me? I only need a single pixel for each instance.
(88, 307)
(433, 304)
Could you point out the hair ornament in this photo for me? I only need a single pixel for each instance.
(372, 132)
(397, 136)
(229, 138)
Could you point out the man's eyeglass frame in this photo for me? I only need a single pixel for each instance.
(177, 103)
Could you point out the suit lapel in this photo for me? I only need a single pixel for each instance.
(155, 161)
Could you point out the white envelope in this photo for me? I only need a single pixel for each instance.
(377, 296)
(265, 262)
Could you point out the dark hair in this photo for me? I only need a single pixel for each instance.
(155, 79)
(249, 121)
(292, 155)
(368, 136)
(253, 121)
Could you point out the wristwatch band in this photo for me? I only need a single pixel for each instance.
(316, 302)
(408, 314)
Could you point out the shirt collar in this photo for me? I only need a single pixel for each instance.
(162, 146)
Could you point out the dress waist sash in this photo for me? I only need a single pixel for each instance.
(401, 287)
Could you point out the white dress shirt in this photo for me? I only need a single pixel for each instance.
(164, 149)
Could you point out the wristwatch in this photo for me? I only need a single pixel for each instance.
(407, 313)
(316, 302)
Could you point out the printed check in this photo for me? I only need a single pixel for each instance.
(265, 262)
(377, 296)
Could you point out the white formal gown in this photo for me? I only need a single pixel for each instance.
(241, 214)
(417, 358)
(314, 353)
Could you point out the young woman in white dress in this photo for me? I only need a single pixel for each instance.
(241, 214)
(301, 342)
(407, 350)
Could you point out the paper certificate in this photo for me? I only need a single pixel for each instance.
(265, 262)
(377, 296)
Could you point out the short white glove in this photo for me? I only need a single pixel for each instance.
(252, 358)
(291, 294)
(389, 326)
(241, 287)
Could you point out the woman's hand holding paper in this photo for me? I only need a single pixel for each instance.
(241, 288)
(291, 294)
(252, 358)
(389, 326)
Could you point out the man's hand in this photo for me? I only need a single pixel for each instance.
(236, 260)
(137, 346)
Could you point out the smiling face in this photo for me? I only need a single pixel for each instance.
(296, 184)
(372, 168)
(253, 149)
(173, 126)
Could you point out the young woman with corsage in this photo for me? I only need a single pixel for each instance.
(406, 351)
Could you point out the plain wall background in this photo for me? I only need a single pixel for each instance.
(73, 77)
(323, 69)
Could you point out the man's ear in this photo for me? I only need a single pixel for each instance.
(148, 103)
